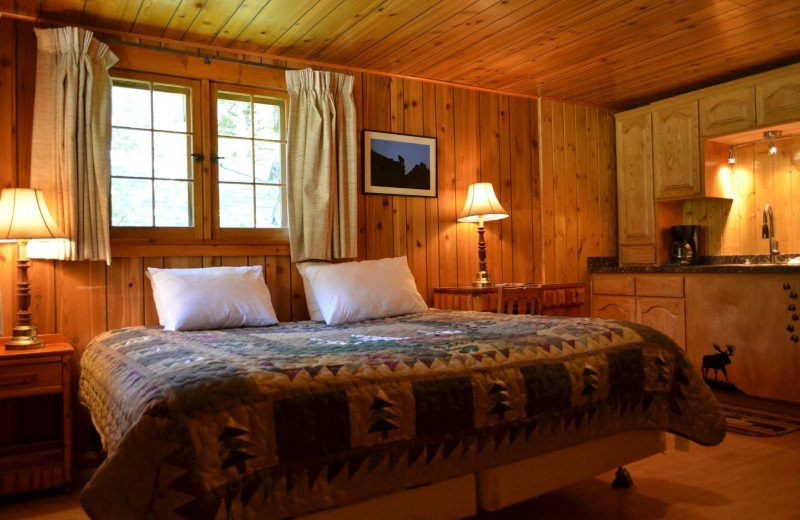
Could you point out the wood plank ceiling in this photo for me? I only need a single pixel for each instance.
(614, 53)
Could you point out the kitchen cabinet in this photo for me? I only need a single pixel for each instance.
(653, 300)
(778, 98)
(636, 205)
(667, 315)
(728, 111)
(620, 308)
(755, 314)
(676, 151)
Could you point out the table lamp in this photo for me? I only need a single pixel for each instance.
(482, 205)
(24, 217)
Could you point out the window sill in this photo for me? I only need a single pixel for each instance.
(148, 247)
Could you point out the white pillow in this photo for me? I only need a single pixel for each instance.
(211, 298)
(311, 301)
(357, 291)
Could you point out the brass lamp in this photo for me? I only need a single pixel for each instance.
(24, 217)
(482, 205)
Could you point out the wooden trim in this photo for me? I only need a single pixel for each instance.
(133, 249)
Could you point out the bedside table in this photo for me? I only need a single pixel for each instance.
(558, 299)
(27, 461)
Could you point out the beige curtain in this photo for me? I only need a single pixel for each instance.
(71, 145)
(322, 165)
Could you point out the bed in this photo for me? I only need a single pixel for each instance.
(282, 421)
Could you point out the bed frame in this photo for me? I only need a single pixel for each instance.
(502, 486)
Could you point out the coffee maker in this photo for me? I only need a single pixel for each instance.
(683, 249)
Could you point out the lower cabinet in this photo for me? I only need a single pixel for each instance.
(620, 308)
(741, 330)
(653, 300)
(667, 315)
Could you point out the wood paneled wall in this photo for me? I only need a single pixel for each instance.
(554, 174)
(733, 227)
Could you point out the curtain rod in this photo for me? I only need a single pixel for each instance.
(207, 58)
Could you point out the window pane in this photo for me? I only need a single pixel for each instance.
(130, 106)
(172, 204)
(131, 202)
(172, 156)
(233, 118)
(131, 155)
(268, 162)
(267, 120)
(236, 160)
(236, 206)
(268, 207)
(169, 111)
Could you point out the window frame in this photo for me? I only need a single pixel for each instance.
(163, 233)
(268, 235)
(203, 114)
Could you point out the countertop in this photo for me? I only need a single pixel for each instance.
(706, 264)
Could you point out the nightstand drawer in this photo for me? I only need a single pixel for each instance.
(27, 378)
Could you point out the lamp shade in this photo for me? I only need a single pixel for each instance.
(24, 215)
(482, 202)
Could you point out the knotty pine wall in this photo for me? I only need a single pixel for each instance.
(554, 174)
(733, 227)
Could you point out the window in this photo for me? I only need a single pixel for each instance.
(186, 165)
(250, 160)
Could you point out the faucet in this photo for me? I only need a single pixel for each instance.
(768, 231)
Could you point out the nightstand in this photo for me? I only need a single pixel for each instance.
(32, 459)
(558, 299)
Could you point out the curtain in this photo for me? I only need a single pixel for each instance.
(322, 165)
(71, 145)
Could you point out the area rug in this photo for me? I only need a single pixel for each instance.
(756, 423)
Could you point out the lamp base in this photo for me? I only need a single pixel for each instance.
(482, 280)
(24, 338)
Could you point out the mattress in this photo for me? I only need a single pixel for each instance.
(282, 421)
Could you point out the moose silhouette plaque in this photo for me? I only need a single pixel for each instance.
(718, 363)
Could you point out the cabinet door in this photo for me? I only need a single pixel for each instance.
(778, 99)
(728, 111)
(620, 308)
(667, 315)
(635, 179)
(676, 151)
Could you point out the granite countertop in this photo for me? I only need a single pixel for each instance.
(707, 264)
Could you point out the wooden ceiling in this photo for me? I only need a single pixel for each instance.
(614, 53)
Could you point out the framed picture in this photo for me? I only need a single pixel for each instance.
(397, 164)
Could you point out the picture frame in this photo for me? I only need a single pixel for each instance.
(399, 164)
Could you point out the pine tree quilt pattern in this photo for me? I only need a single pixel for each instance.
(281, 421)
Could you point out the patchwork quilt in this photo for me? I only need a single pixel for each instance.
(281, 421)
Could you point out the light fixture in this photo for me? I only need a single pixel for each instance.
(24, 217)
(772, 135)
(481, 206)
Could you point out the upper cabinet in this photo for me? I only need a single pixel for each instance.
(637, 229)
(728, 111)
(778, 99)
(676, 152)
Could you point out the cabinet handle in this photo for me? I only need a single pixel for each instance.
(17, 379)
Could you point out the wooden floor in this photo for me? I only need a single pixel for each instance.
(742, 479)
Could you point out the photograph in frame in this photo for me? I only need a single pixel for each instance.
(399, 164)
